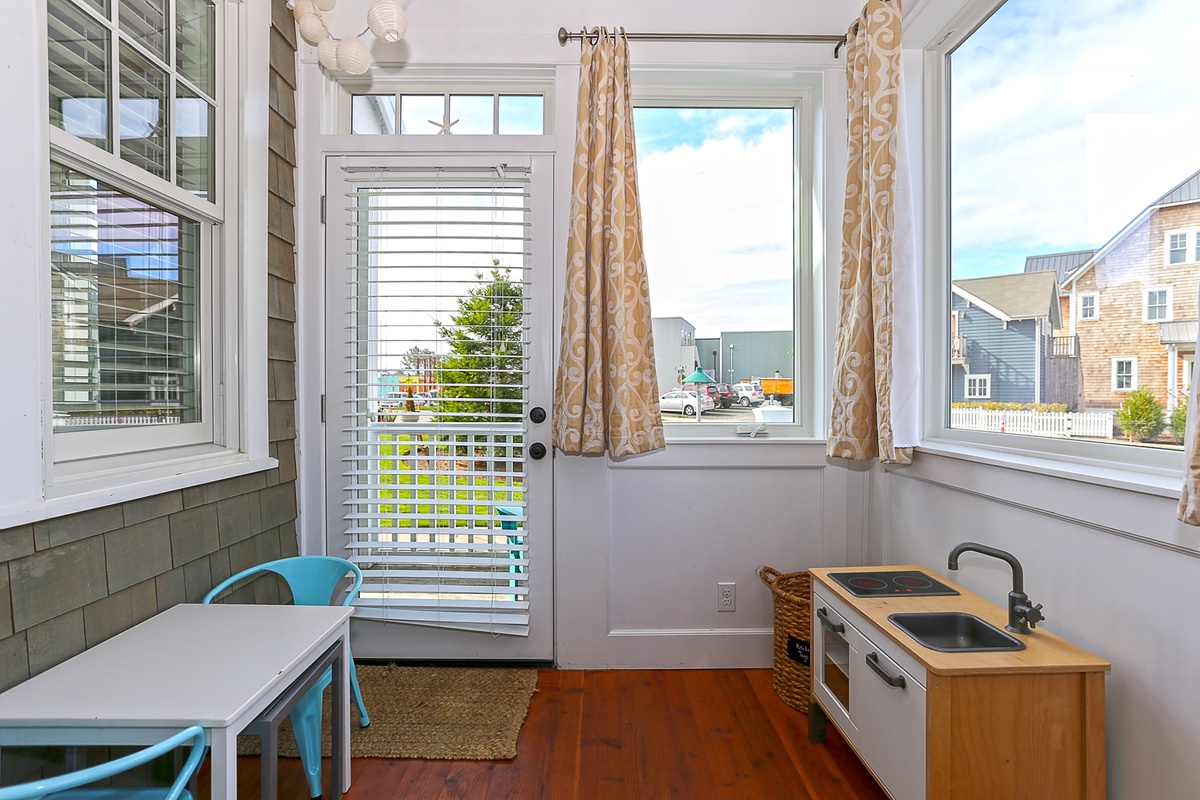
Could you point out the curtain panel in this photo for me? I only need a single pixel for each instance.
(606, 392)
(873, 413)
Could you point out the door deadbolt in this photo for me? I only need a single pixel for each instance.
(537, 414)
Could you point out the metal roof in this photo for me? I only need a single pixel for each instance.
(1058, 263)
(1186, 192)
(1021, 295)
(1177, 332)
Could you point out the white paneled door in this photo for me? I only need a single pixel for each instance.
(438, 384)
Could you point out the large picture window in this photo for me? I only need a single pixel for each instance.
(1063, 160)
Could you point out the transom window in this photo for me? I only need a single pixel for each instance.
(454, 114)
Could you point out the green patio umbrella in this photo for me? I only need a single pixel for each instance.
(698, 377)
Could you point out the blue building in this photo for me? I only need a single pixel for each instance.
(999, 327)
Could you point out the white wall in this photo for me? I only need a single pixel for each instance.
(1128, 601)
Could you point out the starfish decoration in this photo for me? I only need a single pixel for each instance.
(445, 125)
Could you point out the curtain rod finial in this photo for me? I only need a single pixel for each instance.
(563, 37)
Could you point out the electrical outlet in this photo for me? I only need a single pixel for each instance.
(726, 596)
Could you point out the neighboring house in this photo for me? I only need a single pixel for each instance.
(1062, 265)
(999, 328)
(1133, 304)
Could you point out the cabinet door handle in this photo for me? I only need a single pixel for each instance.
(873, 663)
(836, 627)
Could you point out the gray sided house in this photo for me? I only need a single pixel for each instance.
(998, 330)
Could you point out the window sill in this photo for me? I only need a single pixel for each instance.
(1159, 482)
(75, 497)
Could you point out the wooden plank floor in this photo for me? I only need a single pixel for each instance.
(627, 735)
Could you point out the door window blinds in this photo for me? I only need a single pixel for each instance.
(435, 386)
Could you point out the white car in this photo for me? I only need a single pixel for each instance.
(684, 402)
(748, 394)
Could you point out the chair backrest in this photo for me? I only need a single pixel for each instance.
(35, 790)
(312, 579)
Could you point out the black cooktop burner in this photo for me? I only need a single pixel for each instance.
(885, 583)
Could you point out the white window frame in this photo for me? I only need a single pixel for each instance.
(433, 81)
(803, 91)
(1191, 247)
(1095, 298)
(983, 379)
(1168, 304)
(1154, 470)
(1133, 373)
(45, 474)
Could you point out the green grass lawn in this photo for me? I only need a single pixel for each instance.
(424, 499)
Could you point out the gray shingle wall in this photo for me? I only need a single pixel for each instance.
(69, 583)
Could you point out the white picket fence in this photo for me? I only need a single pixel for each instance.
(114, 420)
(1092, 424)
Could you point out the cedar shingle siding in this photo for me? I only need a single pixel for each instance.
(1122, 276)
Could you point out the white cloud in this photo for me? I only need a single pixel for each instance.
(717, 221)
(1068, 119)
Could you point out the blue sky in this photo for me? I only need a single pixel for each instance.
(1068, 119)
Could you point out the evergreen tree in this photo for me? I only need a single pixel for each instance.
(1141, 416)
(483, 373)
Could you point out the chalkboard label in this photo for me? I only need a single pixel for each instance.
(798, 650)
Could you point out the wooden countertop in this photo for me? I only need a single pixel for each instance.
(1044, 652)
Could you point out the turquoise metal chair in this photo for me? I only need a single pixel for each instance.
(312, 580)
(68, 787)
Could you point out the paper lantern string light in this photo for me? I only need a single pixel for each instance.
(385, 18)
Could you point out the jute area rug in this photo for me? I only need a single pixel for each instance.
(458, 713)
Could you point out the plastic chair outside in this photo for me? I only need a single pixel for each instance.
(312, 580)
(67, 787)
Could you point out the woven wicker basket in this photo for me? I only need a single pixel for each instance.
(792, 676)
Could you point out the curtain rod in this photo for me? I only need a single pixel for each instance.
(838, 41)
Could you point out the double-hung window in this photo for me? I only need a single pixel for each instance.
(151, 220)
(1046, 153)
(1182, 247)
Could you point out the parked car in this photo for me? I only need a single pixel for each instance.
(748, 394)
(725, 394)
(719, 392)
(684, 402)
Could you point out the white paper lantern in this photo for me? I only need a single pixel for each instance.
(353, 56)
(327, 53)
(325, 5)
(312, 29)
(387, 20)
(302, 7)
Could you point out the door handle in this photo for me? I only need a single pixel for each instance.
(537, 414)
(873, 663)
(537, 451)
(830, 625)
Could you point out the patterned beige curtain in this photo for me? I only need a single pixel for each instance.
(606, 397)
(875, 373)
